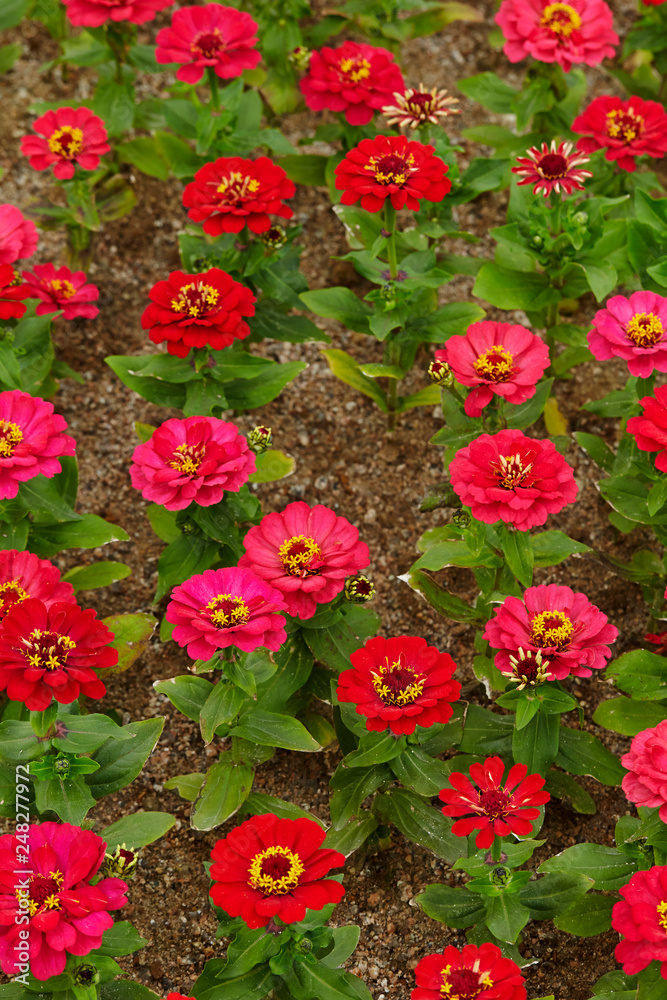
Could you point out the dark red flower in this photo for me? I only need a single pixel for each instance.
(355, 78)
(198, 310)
(391, 166)
(12, 293)
(72, 137)
(497, 810)
(472, 973)
(270, 868)
(552, 168)
(625, 129)
(62, 291)
(210, 35)
(232, 192)
(650, 429)
(641, 918)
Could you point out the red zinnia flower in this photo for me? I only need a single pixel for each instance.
(390, 166)
(18, 235)
(24, 575)
(626, 129)
(270, 868)
(650, 429)
(62, 290)
(72, 137)
(212, 35)
(645, 784)
(12, 294)
(198, 310)
(232, 192)
(195, 460)
(399, 684)
(53, 652)
(67, 914)
(472, 973)
(569, 632)
(355, 78)
(552, 168)
(634, 329)
(305, 552)
(94, 13)
(31, 440)
(226, 607)
(653, 3)
(580, 31)
(641, 918)
(500, 359)
(497, 809)
(512, 478)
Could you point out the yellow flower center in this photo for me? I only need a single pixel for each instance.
(511, 471)
(61, 288)
(396, 683)
(464, 984)
(227, 611)
(66, 141)
(561, 19)
(42, 892)
(297, 555)
(275, 871)
(391, 169)
(47, 650)
(645, 329)
(495, 364)
(11, 593)
(355, 69)
(551, 628)
(662, 914)
(10, 435)
(237, 187)
(187, 458)
(196, 299)
(624, 125)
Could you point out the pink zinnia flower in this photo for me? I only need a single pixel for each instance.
(497, 810)
(552, 168)
(195, 460)
(355, 78)
(471, 973)
(641, 918)
(72, 137)
(31, 440)
(24, 575)
(62, 290)
(95, 13)
(306, 552)
(634, 329)
(67, 914)
(212, 35)
(626, 129)
(650, 429)
(572, 635)
(581, 31)
(498, 359)
(226, 607)
(18, 235)
(645, 784)
(512, 478)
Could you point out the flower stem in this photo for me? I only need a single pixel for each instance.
(213, 84)
(390, 226)
(496, 849)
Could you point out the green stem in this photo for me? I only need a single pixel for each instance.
(213, 84)
(556, 205)
(496, 849)
(390, 226)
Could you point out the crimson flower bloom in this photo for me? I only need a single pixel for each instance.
(195, 460)
(212, 35)
(418, 106)
(24, 575)
(650, 429)
(12, 294)
(390, 166)
(641, 918)
(355, 78)
(552, 168)
(198, 310)
(399, 684)
(31, 440)
(232, 192)
(626, 129)
(95, 13)
(512, 478)
(653, 3)
(18, 235)
(62, 290)
(72, 137)
(567, 33)
(634, 329)
(270, 868)
(305, 552)
(645, 784)
(497, 359)
(226, 607)
(497, 809)
(67, 915)
(572, 635)
(471, 973)
(53, 652)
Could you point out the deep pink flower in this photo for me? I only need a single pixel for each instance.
(62, 290)
(626, 129)
(645, 784)
(580, 31)
(641, 918)
(67, 915)
(226, 607)
(72, 137)
(572, 635)
(232, 192)
(471, 973)
(650, 429)
(552, 168)
(355, 78)
(31, 440)
(634, 329)
(212, 35)
(512, 478)
(497, 359)
(12, 293)
(24, 575)
(195, 460)
(95, 13)
(306, 552)
(18, 235)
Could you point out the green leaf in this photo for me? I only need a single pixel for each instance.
(597, 449)
(514, 289)
(220, 708)
(590, 915)
(89, 532)
(340, 304)
(131, 635)
(518, 552)
(657, 496)
(222, 794)
(10, 372)
(305, 169)
(274, 730)
(420, 822)
(186, 693)
(184, 558)
(18, 743)
(489, 91)
(121, 939)
(554, 893)
(641, 674)
(552, 547)
(453, 907)
(268, 383)
(212, 984)
(609, 868)
(187, 785)
(258, 804)
(346, 940)
(101, 574)
(350, 787)
(582, 753)
(272, 465)
(570, 792)
(68, 798)
(536, 745)
(375, 748)
(137, 830)
(306, 981)
(506, 916)
(121, 761)
(348, 371)
(352, 836)
(485, 733)
(424, 774)
(163, 391)
(622, 715)
(85, 733)
(12, 12)
(522, 416)
(145, 155)
(446, 604)
(163, 522)
(334, 644)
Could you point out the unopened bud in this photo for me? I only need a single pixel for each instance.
(359, 589)
(61, 765)
(188, 527)
(537, 241)
(581, 218)
(461, 518)
(259, 439)
(121, 864)
(204, 264)
(85, 975)
(274, 238)
(440, 373)
(299, 58)
(500, 876)
(388, 291)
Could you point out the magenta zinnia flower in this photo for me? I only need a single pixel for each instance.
(641, 918)
(512, 478)
(31, 440)
(72, 137)
(195, 460)
(12, 293)
(67, 914)
(645, 784)
(634, 329)
(18, 235)
(24, 575)
(61, 290)
(497, 809)
(572, 635)
(212, 35)
(552, 168)
(650, 429)
(306, 552)
(226, 607)
(498, 359)
(95, 13)
(580, 31)
(472, 973)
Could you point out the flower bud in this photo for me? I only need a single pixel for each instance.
(359, 589)
(61, 766)
(259, 439)
(121, 864)
(299, 58)
(581, 218)
(440, 373)
(461, 518)
(500, 876)
(388, 291)
(274, 238)
(85, 975)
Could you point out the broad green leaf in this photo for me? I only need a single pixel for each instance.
(641, 674)
(554, 893)
(582, 753)
(352, 836)
(347, 370)
(340, 304)
(375, 748)
(86, 733)
(590, 915)
(137, 830)
(121, 761)
(131, 634)
(609, 868)
(224, 790)
(622, 715)
(272, 465)
(121, 939)
(274, 730)
(186, 693)
(420, 822)
(101, 574)
(454, 907)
